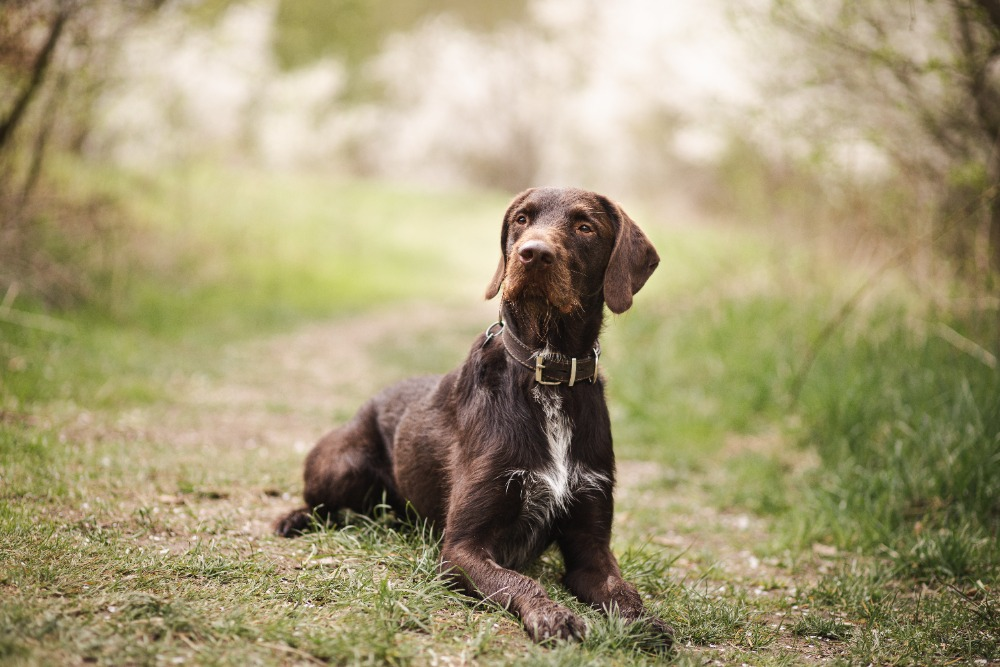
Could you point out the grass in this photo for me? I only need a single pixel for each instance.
(226, 255)
(143, 456)
(927, 420)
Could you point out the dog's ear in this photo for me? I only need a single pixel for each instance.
(633, 260)
(501, 271)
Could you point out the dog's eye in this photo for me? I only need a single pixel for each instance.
(521, 219)
(585, 229)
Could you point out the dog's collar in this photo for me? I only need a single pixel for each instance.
(549, 368)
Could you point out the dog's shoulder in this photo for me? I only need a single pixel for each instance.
(485, 364)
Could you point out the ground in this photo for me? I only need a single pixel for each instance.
(226, 452)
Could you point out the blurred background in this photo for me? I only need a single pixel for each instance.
(224, 223)
(880, 119)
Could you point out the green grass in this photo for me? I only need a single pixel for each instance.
(220, 256)
(858, 523)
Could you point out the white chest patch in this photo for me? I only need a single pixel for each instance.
(559, 433)
(549, 491)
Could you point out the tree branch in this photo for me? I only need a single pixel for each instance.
(992, 9)
(41, 65)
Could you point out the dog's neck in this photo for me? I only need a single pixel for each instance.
(541, 327)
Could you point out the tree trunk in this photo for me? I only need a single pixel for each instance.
(995, 230)
(10, 123)
(985, 92)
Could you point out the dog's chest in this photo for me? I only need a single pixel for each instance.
(547, 491)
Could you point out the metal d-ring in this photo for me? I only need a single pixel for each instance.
(491, 334)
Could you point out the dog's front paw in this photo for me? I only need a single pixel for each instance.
(548, 621)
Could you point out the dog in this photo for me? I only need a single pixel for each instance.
(512, 451)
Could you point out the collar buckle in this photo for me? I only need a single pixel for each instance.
(539, 367)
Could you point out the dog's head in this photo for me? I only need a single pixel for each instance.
(562, 245)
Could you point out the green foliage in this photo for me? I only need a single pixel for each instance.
(867, 56)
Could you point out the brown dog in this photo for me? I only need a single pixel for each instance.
(512, 450)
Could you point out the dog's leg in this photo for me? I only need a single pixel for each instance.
(592, 572)
(343, 471)
(479, 514)
(479, 575)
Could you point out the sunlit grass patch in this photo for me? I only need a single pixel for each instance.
(243, 248)
(225, 255)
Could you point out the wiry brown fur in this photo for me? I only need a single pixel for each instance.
(501, 465)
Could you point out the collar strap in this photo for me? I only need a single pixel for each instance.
(550, 369)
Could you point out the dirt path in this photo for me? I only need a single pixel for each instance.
(289, 389)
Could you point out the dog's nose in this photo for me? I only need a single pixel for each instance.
(537, 253)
